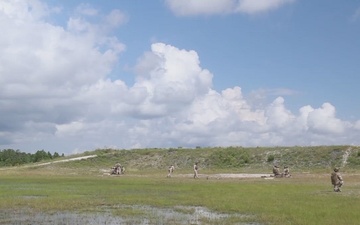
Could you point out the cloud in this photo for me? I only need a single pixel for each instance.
(24, 10)
(357, 125)
(214, 7)
(324, 120)
(86, 9)
(260, 6)
(277, 115)
(46, 67)
(56, 93)
(195, 7)
(171, 77)
(356, 15)
(260, 97)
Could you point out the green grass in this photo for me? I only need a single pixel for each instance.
(303, 199)
(81, 187)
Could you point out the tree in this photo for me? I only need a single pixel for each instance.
(40, 155)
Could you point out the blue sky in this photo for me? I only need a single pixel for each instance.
(80, 75)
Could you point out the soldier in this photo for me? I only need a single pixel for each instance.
(171, 170)
(117, 168)
(196, 168)
(113, 170)
(276, 171)
(336, 180)
(286, 171)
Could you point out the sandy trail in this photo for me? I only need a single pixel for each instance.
(67, 160)
(53, 162)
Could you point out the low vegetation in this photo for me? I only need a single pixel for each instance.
(319, 158)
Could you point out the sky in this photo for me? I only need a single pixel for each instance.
(78, 75)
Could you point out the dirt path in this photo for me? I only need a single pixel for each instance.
(53, 162)
(346, 156)
(67, 160)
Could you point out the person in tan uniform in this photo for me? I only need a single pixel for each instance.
(116, 169)
(286, 172)
(171, 170)
(276, 171)
(196, 168)
(336, 180)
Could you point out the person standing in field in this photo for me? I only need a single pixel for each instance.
(117, 168)
(171, 170)
(336, 180)
(196, 168)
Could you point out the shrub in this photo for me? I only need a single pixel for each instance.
(271, 158)
(229, 157)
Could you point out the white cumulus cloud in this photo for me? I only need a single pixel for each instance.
(213, 7)
(56, 93)
(324, 120)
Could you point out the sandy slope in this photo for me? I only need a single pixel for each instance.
(53, 162)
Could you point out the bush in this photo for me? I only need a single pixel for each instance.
(229, 158)
(271, 158)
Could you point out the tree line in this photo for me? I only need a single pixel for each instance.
(11, 157)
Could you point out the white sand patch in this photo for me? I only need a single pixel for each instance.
(229, 175)
(346, 156)
(67, 160)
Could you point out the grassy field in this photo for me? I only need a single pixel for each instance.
(81, 188)
(302, 199)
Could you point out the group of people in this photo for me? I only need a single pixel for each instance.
(285, 173)
(118, 169)
(172, 168)
(336, 178)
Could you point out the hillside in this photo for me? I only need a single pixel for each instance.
(237, 159)
(212, 160)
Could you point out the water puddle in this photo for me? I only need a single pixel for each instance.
(58, 218)
(127, 214)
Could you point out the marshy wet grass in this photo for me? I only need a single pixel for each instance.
(124, 214)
